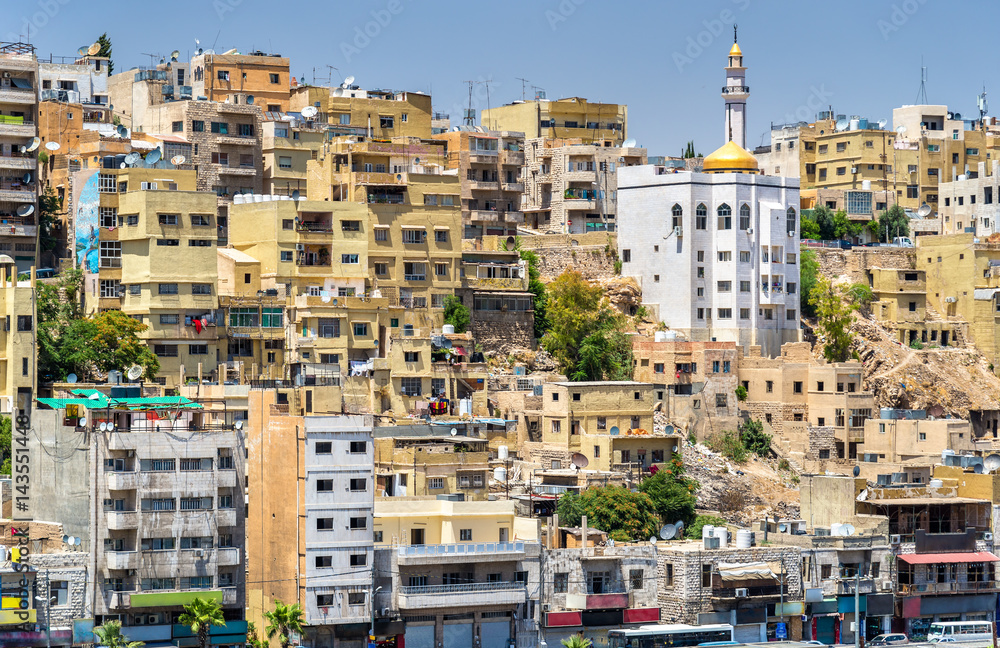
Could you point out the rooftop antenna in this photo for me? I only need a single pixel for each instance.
(922, 95)
(487, 83)
(152, 58)
(983, 106)
(470, 113)
(523, 83)
(330, 69)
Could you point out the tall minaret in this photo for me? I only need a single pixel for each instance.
(735, 95)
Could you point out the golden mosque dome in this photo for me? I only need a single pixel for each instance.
(735, 50)
(730, 158)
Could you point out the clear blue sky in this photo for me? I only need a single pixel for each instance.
(662, 58)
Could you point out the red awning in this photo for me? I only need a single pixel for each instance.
(563, 619)
(642, 615)
(929, 558)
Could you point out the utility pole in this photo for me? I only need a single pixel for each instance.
(857, 608)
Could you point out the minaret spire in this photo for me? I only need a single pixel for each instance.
(735, 94)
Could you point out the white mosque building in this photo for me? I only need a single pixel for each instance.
(716, 252)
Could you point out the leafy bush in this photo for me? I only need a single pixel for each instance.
(625, 516)
(916, 344)
(728, 444)
(456, 313)
(741, 393)
(784, 465)
(694, 530)
(672, 493)
(755, 439)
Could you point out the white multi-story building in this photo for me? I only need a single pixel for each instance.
(715, 252)
(970, 203)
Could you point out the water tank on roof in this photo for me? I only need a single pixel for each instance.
(448, 329)
(744, 539)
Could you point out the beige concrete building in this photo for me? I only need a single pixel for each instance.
(489, 165)
(18, 352)
(901, 304)
(431, 466)
(574, 117)
(262, 76)
(571, 186)
(178, 302)
(969, 202)
(287, 146)
(378, 114)
(501, 310)
(816, 411)
(915, 441)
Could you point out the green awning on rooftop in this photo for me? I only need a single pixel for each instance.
(103, 402)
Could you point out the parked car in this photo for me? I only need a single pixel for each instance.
(902, 241)
(895, 639)
(812, 642)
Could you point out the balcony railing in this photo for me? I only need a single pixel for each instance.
(460, 588)
(461, 549)
(944, 588)
(735, 89)
(740, 592)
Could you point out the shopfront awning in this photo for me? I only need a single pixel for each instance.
(748, 571)
(936, 558)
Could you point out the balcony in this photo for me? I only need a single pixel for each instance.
(483, 215)
(604, 601)
(735, 90)
(122, 559)
(17, 129)
(228, 556)
(122, 480)
(237, 171)
(380, 178)
(483, 185)
(460, 553)
(461, 596)
(512, 157)
(17, 161)
(497, 283)
(118, 600)
(761, 591)
(21, 195)
(846, 586)
(226, 517)
(226, 478)
(514, 186)
(24, 96)
(229, 596)
(122, 520)
(948, 588)
(236, 140)
(17, 229)
(483, 157)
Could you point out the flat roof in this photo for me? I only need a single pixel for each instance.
(604, 383)
(919, 501)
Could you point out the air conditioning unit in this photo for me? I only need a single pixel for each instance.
(546, 607)
(678, 230)
(854, 169)
(791, 234)
(749, 230)
(199, 553)
(742, 592)
(386, 611)
(895, 539)
(950, 300)
(6, 75)
(885, 586)
(299, 247)
(988, 537)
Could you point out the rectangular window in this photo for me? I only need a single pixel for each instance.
(324, 561)
(560, 583)
(359, 560)
(359, 523)
(220, 128)
(359, 485)
(349, 258)
(725, 313)
(201, 289)
(412, 236)
(724, 286)
(324, 485)
(168, 289)
(198, 126)
(360, 329)
(350, 226)
(410, 386)
(381, 234)
(435, 482)
(204, 463)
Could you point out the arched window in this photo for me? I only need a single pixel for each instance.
(744, 216)
(677, 212)
(701, 217)
(791, 221)
(725, 217)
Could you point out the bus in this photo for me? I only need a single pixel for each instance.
(949, 631)
(670, 635)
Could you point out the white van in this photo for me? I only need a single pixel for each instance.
(954, 631)
(902, 241)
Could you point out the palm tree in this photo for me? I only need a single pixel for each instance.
(253, 641)
(110, 635)
(200, 615)
(284, 620)
(577, 641)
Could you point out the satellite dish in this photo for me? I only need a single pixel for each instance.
(71, 378)
(992, 462)
(847, 529)
(134, 372)
(580, 460)
(122, 165)
(629, 143)
(857, 470)
(416, 160)
(174, 55)
(309, 112)
(178, 160)
(249, 100)
(325, 299)
(103, 426)
(26, 178)
(347, 82)
(454, 431)
(238, 425)
(52, 146)
(82, 52)
(66, 539)
(154, 156)
(900, 130)
(668, 531)
(122, 131)
(132, 158)
(94, 49)
(978, 469)
(924, 211)
(679, 528)
(338, 92)
(782, 528)
(614, 430)
(842, 125)
(25, 210)
(882, 123)
(296, 194)
(334, 302)
(35, 143)
(652, 540)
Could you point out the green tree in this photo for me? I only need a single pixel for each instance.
(808, 227)
(253, 639)
(741, 393)
(694, 530)
(5, 447)
(49, 208)
(105, 50)
(824, 218)
(456, 313)
(200, 615)
(110, 635)
(689, 151)
(576, 641)
(672, 493)
(843, 227)
(586, 336)
(834, 317)
(862, 296)
(808, 273)
(625, 516)
(754, 438)
(282, 621)
(893, 222)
